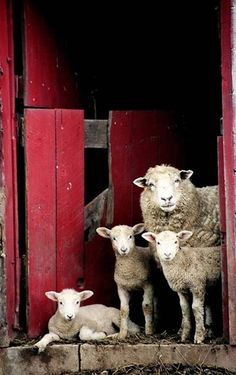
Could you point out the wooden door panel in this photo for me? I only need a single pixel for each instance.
(228, 27)
(70, 197)
(49, 79)
(54, 207)
(40, 214)
(139, 140)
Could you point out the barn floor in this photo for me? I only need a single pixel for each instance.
(159, 354)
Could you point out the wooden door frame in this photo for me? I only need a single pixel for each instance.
(228, 53)
(9, 259)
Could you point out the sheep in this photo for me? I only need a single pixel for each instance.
(132, 272)
(92, 322)
(170, 201)
(187, 269)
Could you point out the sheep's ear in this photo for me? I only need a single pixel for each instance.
(140, 182)
(184, 175)
(149, 236)
(52, 295)
(85, 294)
(138, 228)
(104, 232)
(184, 235)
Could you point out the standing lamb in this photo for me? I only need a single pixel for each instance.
(92, 322)
(132, 271)
(170, 201)
(187, 269)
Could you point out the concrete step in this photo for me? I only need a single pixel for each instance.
(72, 358)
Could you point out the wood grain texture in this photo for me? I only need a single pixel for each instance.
(54, 147)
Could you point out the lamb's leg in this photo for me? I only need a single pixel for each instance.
(208, 321)
(198, 311)
(186, 319)
(87, 333)
(147, 306)
(124, 311)
(49, 337)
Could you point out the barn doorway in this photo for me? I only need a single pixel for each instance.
(165, 58)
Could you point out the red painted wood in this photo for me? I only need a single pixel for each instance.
(139, 140)
(70, 197)
(49, 78)
(136, 143)
(54, 147)
(8, 170)
(227, 33)
(221, 179)
(40, 149)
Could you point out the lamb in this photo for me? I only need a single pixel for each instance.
(132, 272)
(187, 269)
(92, 322)
(170, 201)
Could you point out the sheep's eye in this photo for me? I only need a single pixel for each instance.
(151, 185)
(177, 180)
(176, 242)
(114, 238)
(158, 243)
(61, 303)
(77, 302)
(130, 236)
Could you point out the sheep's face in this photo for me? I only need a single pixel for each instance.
(167, 243)
(69, 301)
(122, 237)
(164, 185)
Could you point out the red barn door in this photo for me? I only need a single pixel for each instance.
(54, 154)
(228, 67)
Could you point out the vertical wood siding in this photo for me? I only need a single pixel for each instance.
(55, 203)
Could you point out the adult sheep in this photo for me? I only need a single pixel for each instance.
(170, 201)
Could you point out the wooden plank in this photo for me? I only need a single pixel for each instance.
(41, 215)
(93, 213)
(96, 133)
(221, 179)
(138, 141)
(9, 265)
(70, 197)
(49, 78)
(228, 28)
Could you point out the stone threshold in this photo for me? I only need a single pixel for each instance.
(62, 358)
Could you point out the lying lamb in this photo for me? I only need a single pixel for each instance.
(170, 201)
(132, 271)
(92, 322)
(187, 270)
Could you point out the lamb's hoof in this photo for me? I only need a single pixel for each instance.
(122, 336)
(34, 350)
(209, 333)
(38, 349)
(185, 336)
(199, 338)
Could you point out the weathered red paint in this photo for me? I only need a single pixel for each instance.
(70, 197)
(49, 78)
(229, 148)
(55, 201)
(8, 172)
(224, 274)
(138, 140)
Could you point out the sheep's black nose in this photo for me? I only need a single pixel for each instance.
(167, 198)
(69, 317)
